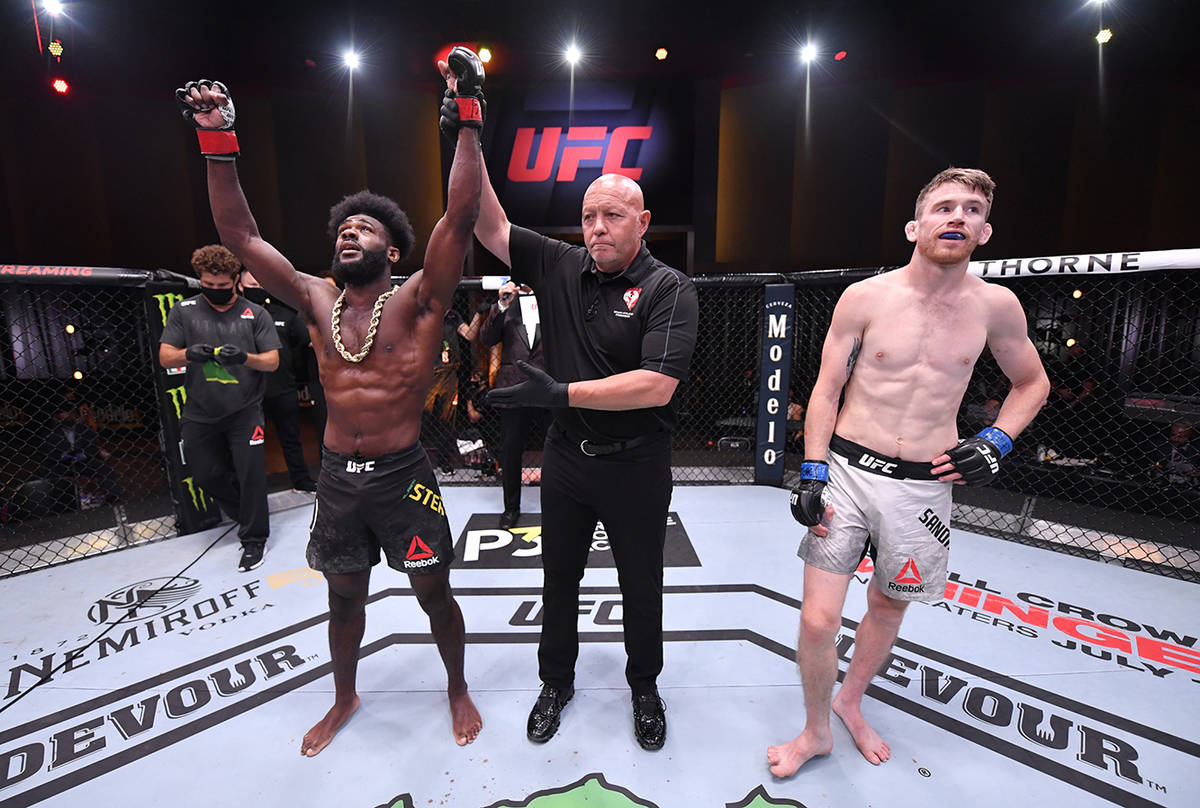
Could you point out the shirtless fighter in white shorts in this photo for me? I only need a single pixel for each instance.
(903, 345)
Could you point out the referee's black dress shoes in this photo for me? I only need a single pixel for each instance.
(543, 718)
(649, 720)
(509, 518)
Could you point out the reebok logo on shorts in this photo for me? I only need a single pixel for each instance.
(908, 579)
(909, 574)
(419, 554)
(256, 438)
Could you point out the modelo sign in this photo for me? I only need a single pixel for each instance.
(551, 143)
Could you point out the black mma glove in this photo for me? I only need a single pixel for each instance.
(808, 500)
(466, 106)
(227, 355)
(216, 142)
(539, 390)
(199, 353)
(485, 308)
(977, 459)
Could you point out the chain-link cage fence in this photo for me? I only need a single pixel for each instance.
(718, 403)
(1110, 468)
(81, 465)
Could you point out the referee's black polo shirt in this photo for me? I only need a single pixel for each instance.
(596, 325)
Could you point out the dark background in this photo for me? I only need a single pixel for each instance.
(1089, 156)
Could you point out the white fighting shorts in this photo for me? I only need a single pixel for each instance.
(895, 508)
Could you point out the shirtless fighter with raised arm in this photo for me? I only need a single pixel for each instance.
(375, 345)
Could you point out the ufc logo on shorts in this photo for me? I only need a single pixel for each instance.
(358, 468)
(876, 463)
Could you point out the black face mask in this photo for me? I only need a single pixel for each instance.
(256, 295)
(218, 297)
(371, 267)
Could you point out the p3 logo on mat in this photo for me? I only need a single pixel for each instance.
(483, 543)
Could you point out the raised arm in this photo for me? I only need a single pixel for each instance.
(493, 227)
(462, 120)
(209, 107)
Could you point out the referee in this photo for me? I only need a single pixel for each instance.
(619, 327)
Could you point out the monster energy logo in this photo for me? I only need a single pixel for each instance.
(178, 398)
(199, 498)
(165, 302)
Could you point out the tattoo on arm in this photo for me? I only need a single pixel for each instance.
(850, 360)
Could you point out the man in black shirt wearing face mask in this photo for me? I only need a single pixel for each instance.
(281, 402)
(229, 346)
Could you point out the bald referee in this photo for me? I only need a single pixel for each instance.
(618, 327)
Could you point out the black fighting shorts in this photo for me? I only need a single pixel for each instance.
(365, 504)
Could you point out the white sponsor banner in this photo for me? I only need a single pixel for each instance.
(1098, 264)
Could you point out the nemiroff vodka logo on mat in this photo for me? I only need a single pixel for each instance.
(143, 599)
(153, 608)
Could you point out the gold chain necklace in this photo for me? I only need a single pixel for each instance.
(336, 325)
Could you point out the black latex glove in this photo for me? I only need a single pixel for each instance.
(539, 390)
(227, 355)
(199, 353)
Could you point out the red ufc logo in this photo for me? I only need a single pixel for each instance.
(612, 150)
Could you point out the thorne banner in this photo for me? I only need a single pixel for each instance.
(1090, 264)
(550, 141)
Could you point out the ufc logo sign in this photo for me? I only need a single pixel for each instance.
(358, 468)
(876, 463)
(605, 145)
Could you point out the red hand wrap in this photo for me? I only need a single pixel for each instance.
(469, 110)
(217, 141)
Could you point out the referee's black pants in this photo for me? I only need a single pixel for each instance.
(630, 493)
(233, 445)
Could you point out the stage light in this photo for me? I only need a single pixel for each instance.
(350, 58)
(660, 54)
(1077, 294)
(808, 53)
(56, 49)
(1104, 36)
(839, 56)
(60, 86)
(485, 55)
(53, 7)
(77, 375)
(1071, 342)
(70, 329)
(573, 55)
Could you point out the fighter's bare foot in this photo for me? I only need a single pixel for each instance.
(786, 758)
(319, 736)
(873, 747)
(466, 719)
